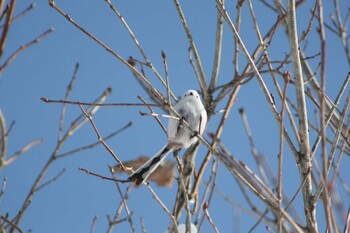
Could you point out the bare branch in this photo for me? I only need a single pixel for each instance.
(2, 191)
(332, 112)
(22, 48)
(50, 181)
(217, 53)
(342, 31)
(13, 225)
(155, 196)
(122, 205)
(280, 153)
(46, 100)
(21, 14)
(6, 26)
(303, 158)
(125, 62)
(214, 143)
(89, 117)
(246, 176)
(3, 138)
(148, 62)
(205, 208)
(21, 151)
(103, 177)
(68, 91)
(257, 73)
(156, 117)
(92, 145)
(94, 220)
(202, 81)
(75, 125)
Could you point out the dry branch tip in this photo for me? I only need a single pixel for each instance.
(163, 55)
(44, 99)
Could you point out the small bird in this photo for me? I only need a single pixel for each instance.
(191, 109)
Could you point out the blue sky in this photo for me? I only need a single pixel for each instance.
(45, 69)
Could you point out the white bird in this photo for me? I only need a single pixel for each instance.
(191, 109)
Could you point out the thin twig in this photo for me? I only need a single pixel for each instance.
(159, 115)
(155, 196)
(209, 189)
(214, 143)
(252, 145)
(338, 133)
(3, 186)
(122, 204)
(268, 36)
(280, 93)
(322, 188)
(118, 221)
(296, 193)
(7, 26)
(201, 80)
(21, 14)
(3, 138)
(125, 62)
(342, 31)
(147, 61)
(24, 47)
(156, 116)
(143, 228)
(316, 87)
(64, 106)
(254, 184)
(236, 44)
(259, 221)
(92, 145)
(165, 63)
(80, 120)
(205, 208)
(13, 225)
(50, 181)
(308, 29)
(347, 224)
(332, 112)
(192, 63)
(257, 73)
(101, 139)
(21, 151)
(102, 176)
(94, 220)
(217, 53)
(3, 11)
(46, 100)
(74, 126)
(336, 166)
(280, 153)
(326, 198)
(184, 191)
(255, 213)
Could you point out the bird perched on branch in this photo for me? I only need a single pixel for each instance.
(180, 135)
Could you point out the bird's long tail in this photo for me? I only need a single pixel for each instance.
(143, 172)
